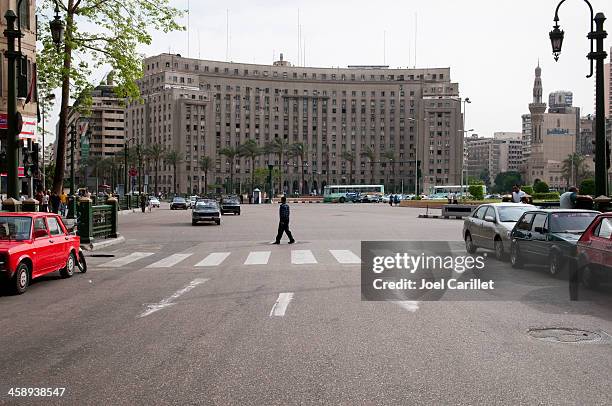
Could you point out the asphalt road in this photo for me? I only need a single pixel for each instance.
(216, 315)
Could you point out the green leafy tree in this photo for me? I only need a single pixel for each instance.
(371, 155)
(505, 180)
(98, 33)
(471, 180)
(541, 187)
(205, 164)
(349, 157)
(280, 148)
(587, 187)
(527, 189)
(231, 154)
(476, 191)
(173, 158)
(261, 177)
(250, 149)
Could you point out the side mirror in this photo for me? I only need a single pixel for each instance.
(40, 234)
(490, 219)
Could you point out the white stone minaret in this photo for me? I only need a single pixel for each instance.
(535, 167)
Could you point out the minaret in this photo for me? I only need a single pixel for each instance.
(537, 110)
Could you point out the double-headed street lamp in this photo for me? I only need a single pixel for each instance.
(597, 34)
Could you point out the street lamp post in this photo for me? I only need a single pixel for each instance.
(72, 197)
(49, 98)
(416, 154)
(466, 100)
(597, 34)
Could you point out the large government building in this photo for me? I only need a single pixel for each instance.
(198, 107)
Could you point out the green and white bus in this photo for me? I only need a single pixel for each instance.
(338, 193)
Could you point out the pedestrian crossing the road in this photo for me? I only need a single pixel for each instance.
(213, 259)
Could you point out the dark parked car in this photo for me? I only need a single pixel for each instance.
(206, 210)
(548, 237)
(178, 203)
(230, 205)
(594, 251)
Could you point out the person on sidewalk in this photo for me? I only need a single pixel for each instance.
(63, 203)
(283, 224)
(55, 202)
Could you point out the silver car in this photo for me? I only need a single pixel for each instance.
(489, 226)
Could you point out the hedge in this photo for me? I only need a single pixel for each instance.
(546, 196)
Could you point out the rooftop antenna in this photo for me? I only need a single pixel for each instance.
(227, 34)
(199, 43)
(415, 38)
(299, 38)
(187, 28)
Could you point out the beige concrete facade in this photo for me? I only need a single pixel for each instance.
(197, 107)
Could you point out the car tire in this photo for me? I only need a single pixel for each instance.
(498, 245)
(515, 256)
(470, 247)
(21, 279)
(555, 264)
(82, 264)
(589, 278)
(238, 213)
(218, 222)
(342, 200)
(193, 223)
(68, 270)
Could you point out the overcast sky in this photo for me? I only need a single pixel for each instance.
(491, 47)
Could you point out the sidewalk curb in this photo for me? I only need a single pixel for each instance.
(436, 216)
(103, 243)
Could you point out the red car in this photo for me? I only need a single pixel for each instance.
(35, 244)
(594, 251)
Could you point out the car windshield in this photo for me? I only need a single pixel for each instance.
(206, 205)
(230, 200)
(179, 200)
(15, 228)
(570, 222)
(512, 213)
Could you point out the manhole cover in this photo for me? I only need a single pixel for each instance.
(564, 335)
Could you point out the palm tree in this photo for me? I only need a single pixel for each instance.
(279, 147)
(371, 155)
(389, 155)
(573, 168)
(349, 157)
(231, 154)
(299, 151)
(155, 153)
(173, 158)
(250, 149)
(205, 164)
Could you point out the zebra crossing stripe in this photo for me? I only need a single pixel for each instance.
(258, 258)
(345, 256)
(170, 261)
(213, 259)
(299, 257)
(280, 306)
(128, 259)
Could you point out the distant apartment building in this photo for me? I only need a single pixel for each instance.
(104, 127)
(502, 153)
(198, 107)
(526, 130)
(584, 142)
(608, 87)
(560, 101)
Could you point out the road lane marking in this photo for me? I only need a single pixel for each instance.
(258, 258)
(170, 261)
(134, 256)
(213, 259)
(152, 308)
(345, 256)
(299, 257)
(280, 306)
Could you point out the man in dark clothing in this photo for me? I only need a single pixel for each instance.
(55, 202)
(283, 224)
